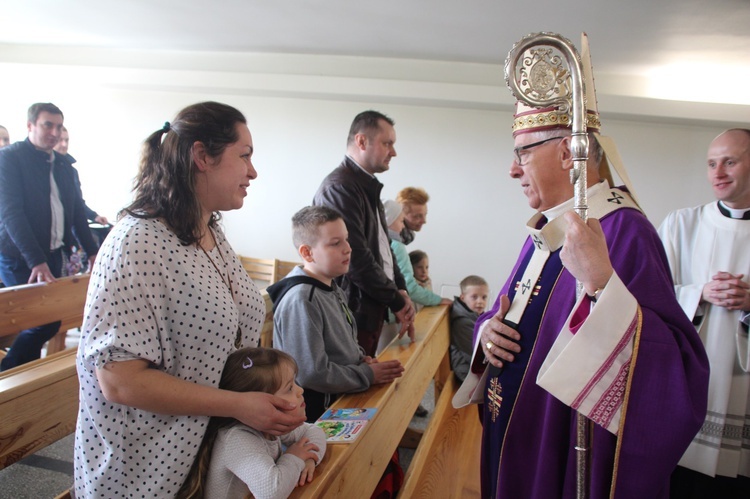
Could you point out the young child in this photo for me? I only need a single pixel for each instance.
(235, 459)
(311, 320)
(421, 265)
(464, 314)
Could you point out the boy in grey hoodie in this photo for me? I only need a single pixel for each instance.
(311, 320)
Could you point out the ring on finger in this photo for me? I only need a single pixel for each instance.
(489, 346)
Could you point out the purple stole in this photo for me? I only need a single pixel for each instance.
(503, 385)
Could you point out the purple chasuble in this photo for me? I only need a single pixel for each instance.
(528, 453)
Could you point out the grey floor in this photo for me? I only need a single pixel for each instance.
(49, 472)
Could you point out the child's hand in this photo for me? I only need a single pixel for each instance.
(386, 371)
(307, 474)
(303, 449)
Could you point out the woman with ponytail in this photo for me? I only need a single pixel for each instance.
(168, 301)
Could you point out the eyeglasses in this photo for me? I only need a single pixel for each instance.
(517, 150)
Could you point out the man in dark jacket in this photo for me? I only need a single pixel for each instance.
(41, 211)
(373, 283)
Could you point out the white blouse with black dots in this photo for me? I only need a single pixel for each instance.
(152, 298)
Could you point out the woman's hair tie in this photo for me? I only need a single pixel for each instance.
(166, 127)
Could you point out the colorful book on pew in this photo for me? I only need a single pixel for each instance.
(344, 425)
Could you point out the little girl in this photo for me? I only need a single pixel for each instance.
(243, 459)
(421, 265)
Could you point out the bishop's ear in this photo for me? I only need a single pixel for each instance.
(563, 151)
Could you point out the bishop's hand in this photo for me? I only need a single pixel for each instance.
(585, 253)
(500, 341)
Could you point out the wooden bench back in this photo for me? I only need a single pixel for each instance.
(266, 271)
(39, 400)
(31, 305)
(260, 270)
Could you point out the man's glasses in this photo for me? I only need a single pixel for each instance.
(517, 150)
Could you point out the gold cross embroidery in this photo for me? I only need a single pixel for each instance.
(495, 400)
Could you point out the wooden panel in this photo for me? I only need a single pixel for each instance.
(260, 270)
(353, 470)
(39, 404)
(266, 330)
(446, 463)
(22, 307)
(282, 269)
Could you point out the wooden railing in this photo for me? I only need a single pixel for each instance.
(354, 469)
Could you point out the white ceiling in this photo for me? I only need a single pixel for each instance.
(702, 41)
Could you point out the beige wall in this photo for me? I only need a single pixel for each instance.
(452, 122)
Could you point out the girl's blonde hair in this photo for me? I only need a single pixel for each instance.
(246, 370)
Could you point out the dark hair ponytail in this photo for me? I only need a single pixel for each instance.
(165, 184)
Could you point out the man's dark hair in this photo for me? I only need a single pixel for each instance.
(367, 122)
(36, 109)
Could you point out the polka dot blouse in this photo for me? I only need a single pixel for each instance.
(152, 298)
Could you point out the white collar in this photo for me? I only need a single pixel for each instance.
(734, 212)
(560, 209)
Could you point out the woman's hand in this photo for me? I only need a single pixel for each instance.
(267, 413)
(136, 384)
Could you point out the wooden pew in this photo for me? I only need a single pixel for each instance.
(354, 469)
(283, 268)
(265, 271)
(39, 400)
(260, 270)
(446, 463)
(266, 330)
(39, 404)
(22, 307)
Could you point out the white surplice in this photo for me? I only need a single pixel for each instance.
(699, 243)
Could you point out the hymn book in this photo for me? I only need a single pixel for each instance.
(344, 425)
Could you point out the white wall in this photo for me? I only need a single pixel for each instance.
(453, 140)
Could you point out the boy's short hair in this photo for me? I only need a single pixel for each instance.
(472, 280)
(305, 223)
